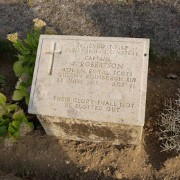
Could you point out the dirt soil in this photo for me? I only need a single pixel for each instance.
(39, 156)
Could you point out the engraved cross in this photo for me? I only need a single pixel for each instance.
(50, 68)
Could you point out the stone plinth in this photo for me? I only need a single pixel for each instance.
(81, 130)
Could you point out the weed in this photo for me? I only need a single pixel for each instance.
(24, 67)
(169, 124)
(11, 118)
(30, 2)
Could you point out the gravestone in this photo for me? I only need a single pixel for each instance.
(91, 88)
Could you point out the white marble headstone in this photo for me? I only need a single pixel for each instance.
(102, 79)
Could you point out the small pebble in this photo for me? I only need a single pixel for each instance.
(171, 76)
(86, 170)
(8, 142)
(118, 175)
(67, 162)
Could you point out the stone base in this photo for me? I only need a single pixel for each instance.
(81, 130)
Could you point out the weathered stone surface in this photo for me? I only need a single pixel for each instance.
(80, 130)
(99, 82)
(91, 78)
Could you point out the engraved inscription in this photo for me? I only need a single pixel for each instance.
(100, 48)
(99, 63)
(97, 70)
(92, 104)
(95, 73)
(52, 59)
(91, 78)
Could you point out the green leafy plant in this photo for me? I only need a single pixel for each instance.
(24, 67)
(11, 118)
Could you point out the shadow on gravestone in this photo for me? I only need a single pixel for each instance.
(158, 22)
(15, 17)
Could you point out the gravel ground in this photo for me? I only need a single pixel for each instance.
(14, 17)
(158, 20)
